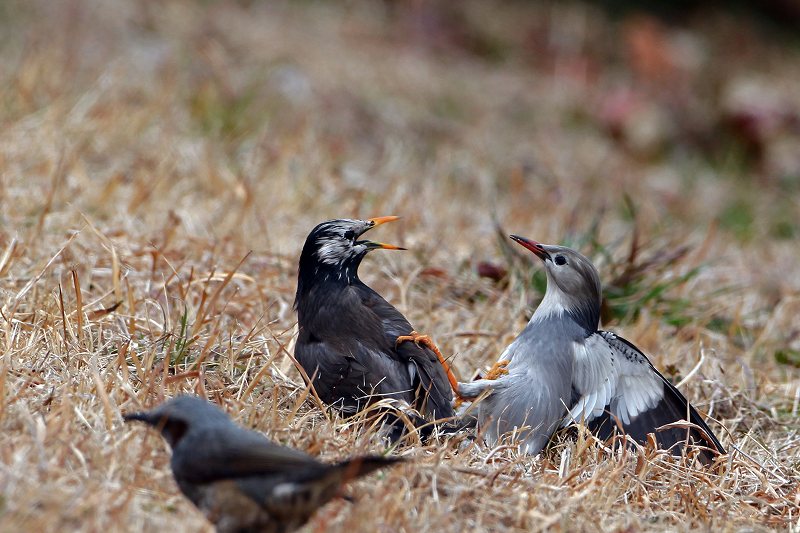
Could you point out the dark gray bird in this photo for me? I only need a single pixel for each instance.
(348, 338)
(561, 369)
(238, 478)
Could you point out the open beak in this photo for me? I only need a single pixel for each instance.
(377, 221)
(533, 246)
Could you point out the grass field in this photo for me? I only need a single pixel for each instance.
(162, 162)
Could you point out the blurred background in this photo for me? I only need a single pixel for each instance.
(598, 124)
(162, 161)
(691, 108)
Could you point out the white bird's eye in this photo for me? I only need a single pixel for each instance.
(560, 260)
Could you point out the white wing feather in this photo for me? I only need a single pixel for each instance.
(609, 378)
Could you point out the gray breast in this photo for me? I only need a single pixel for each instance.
(532, 398)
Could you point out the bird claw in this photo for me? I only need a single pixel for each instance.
(418, 339)
(498, 369)
(425, 340)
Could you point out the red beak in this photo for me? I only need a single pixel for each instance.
(533, 246)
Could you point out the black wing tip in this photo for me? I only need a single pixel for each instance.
(702, 433)
(677, 399)
(674, 441)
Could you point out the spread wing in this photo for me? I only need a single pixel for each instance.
(615, 386)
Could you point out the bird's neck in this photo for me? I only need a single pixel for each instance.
(317, 280)
(553, 305)
(556, 305)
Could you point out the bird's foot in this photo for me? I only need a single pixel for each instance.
(425, 340)
(497, 370)
(419, 339)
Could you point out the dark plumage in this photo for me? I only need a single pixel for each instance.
(238, 478)
(348, 333)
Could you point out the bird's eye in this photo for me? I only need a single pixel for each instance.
(560, 260)
(350, 235)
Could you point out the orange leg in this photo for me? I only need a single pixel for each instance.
(425, 340)
(497, 370)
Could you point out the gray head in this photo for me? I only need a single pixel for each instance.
(573, 284)
(175, 417)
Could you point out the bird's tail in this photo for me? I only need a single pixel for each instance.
(327, 481)
(361, 466)
(702, 436)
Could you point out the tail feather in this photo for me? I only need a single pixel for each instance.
(361, 466)
(437, 394)
(703, 436)
(434, 394)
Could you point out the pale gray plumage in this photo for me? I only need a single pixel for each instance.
(562, 369)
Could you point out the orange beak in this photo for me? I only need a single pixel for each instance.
(377, 221)
(384, 246)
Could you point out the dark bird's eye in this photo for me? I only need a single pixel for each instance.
(560, 260)
(350, 235)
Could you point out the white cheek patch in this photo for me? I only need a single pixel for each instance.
(333, 252)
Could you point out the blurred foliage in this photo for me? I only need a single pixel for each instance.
(225, 115)
(182, 341)
(738, 218)
(788, 357)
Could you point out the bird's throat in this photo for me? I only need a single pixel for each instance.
(557, 306)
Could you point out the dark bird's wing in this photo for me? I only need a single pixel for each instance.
(295, 498)
(230, 452)
(615, 386)
(226, 463)
(343, 347)
(345, 377)
(427, 377)
(348, 346)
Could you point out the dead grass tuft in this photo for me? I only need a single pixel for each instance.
(161, 165)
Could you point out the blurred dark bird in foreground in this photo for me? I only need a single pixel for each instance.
(562, 370)
(351, 340)
(238, 478)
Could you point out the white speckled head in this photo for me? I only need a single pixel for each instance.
(335, 240)
(333, 253)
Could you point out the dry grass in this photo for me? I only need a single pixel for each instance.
(161, 164)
